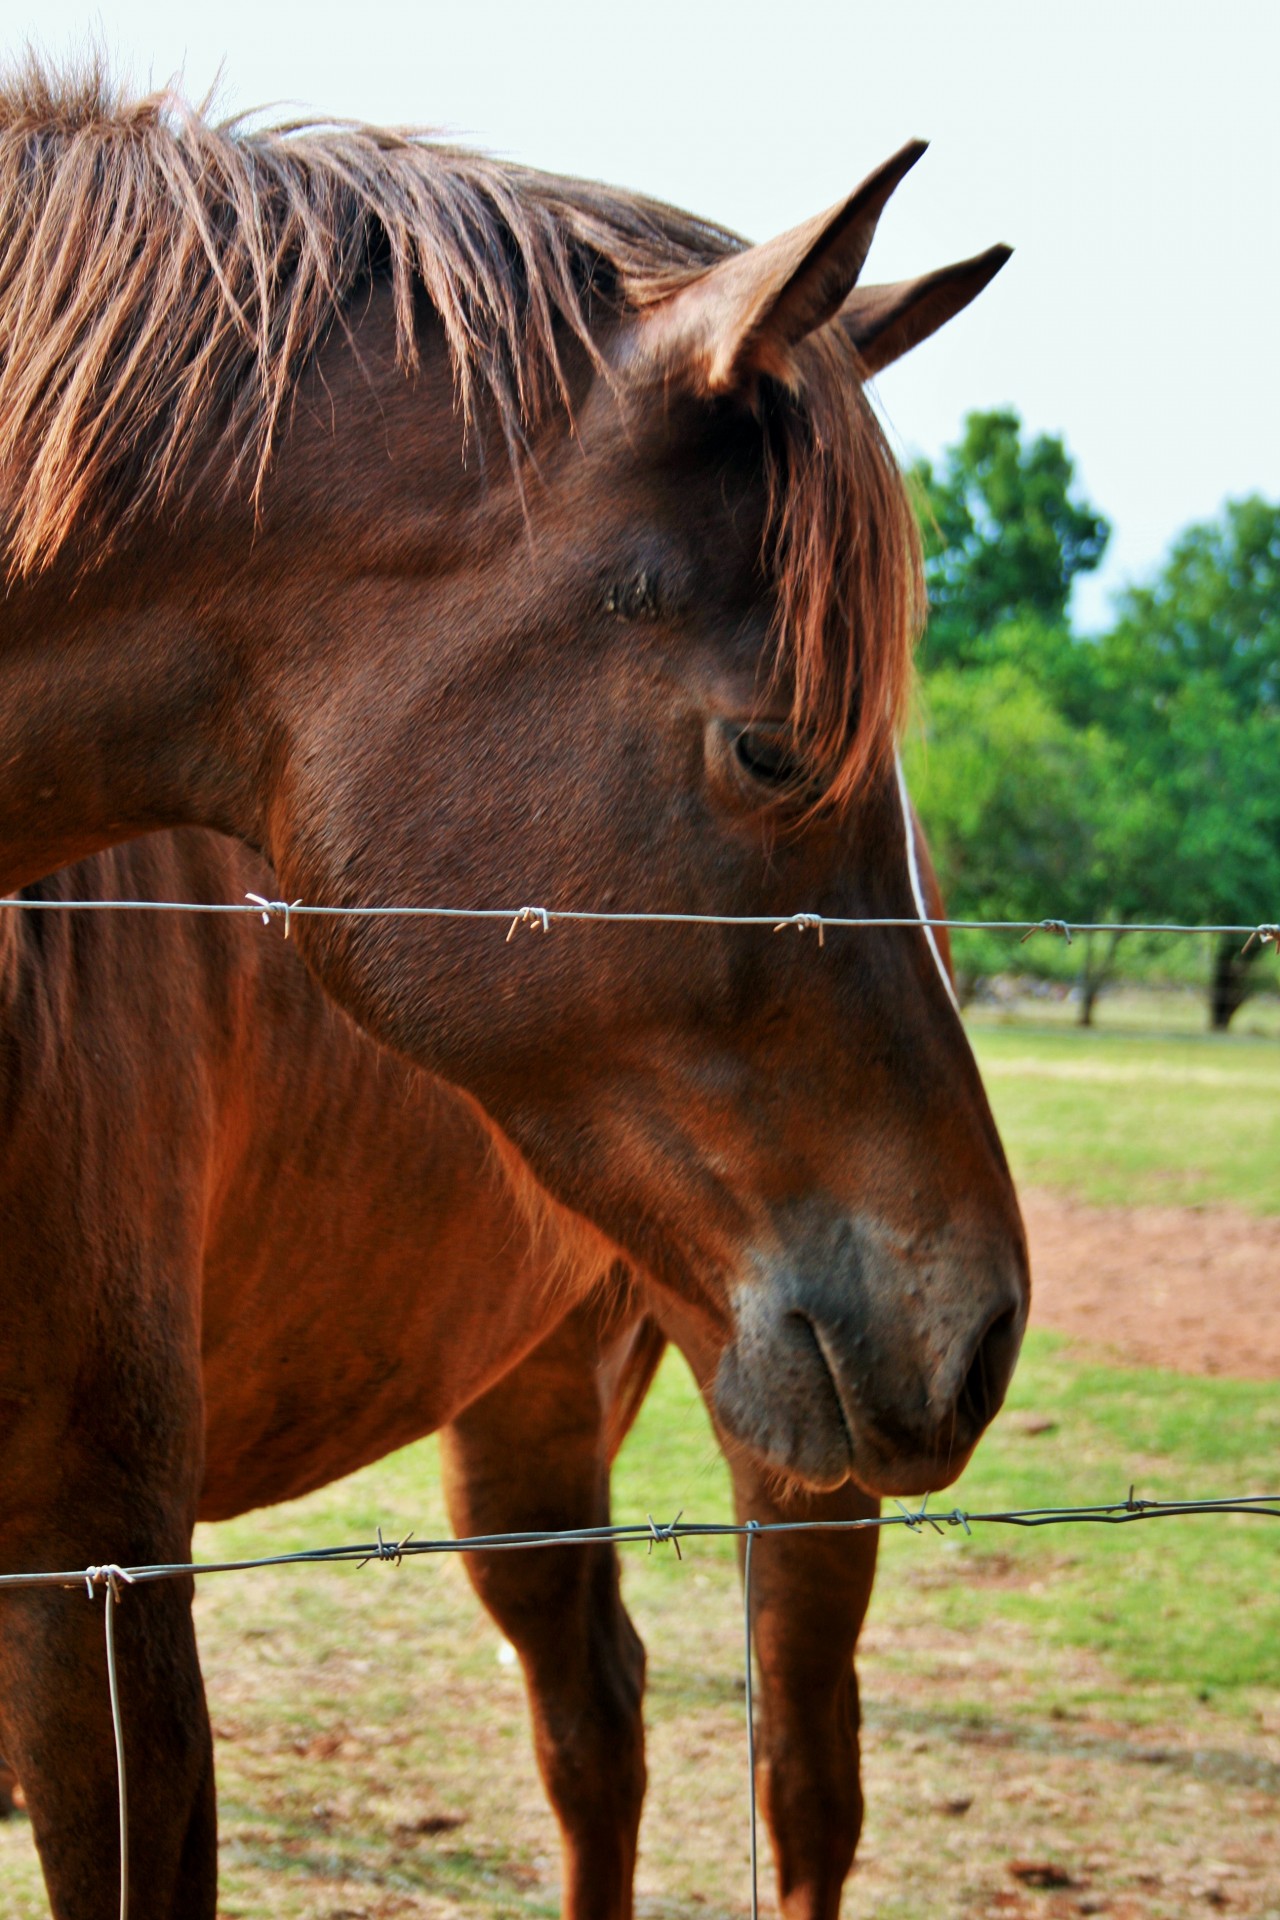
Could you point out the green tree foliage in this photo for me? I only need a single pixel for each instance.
(1210, 618)
(1132, 777)
(1028, 815)
(1004, 536)
(1012, 794)
(1189, 684)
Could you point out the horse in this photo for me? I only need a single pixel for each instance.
(447, 533)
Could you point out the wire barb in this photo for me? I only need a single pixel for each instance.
(805, 923)
(388, 1549)
(1060, 927)
(660, 1534)
(1267, 935)
(537, 918)
(110, 1577)
(271, 908)
(916, 1522)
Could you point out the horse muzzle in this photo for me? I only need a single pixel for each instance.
(879, 1368)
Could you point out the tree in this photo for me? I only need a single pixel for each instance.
(1135, 777)
(1004, 536)
(1027, 814)
(1189, 683)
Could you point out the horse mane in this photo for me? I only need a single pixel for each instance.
(164, 279)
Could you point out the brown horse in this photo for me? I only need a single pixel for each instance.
(452, 533)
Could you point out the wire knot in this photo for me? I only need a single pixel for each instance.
(916, 1522)
(392, 1550)
(1267, 935)
(805, 923)
(1059, 927)
(536, 918)
(110, 1577)
(660, 1534)
(270, 908)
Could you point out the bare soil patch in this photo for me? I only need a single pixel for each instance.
(1194, 1289)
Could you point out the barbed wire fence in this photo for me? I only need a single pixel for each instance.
(112, 1580)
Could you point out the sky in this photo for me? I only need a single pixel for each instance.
(1127, 149)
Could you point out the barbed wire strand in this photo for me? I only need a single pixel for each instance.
(1112, 1513)
(541, 919)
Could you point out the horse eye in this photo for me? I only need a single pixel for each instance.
(768, 755)
(635, 598)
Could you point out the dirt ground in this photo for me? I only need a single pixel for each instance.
(1159, 1286)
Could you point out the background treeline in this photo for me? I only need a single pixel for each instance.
(1132, 775)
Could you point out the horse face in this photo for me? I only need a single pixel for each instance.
(572, 700)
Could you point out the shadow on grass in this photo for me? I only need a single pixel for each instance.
(1226, 1765)
(479, 1876)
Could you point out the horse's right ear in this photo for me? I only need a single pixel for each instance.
(886, 322)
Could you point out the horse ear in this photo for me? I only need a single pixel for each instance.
(742, 318)
(886, 322)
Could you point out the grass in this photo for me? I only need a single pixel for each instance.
(1118, 1116)
(1132, 1007)
(1150, 1599)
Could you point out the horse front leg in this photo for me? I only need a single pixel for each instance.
(110, 1483)
(809, 1595)
(531, 1455)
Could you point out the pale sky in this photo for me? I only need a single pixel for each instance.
(1127, 149)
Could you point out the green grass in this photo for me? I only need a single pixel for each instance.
(1184, 1605)
(1133, 1007)
(1122, 1117)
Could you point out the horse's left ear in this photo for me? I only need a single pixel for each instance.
(742, 318)
(886, 322)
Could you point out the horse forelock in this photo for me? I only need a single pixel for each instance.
(164, 280)
(844, 555)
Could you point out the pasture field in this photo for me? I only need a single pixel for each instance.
(1124, 1114)
(1071, 1721)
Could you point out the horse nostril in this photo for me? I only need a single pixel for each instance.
(984, 1385)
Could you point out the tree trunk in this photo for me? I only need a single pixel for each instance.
(1094, 973)
(1230, 983)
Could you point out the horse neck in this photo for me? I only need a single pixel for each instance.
(108, 698)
